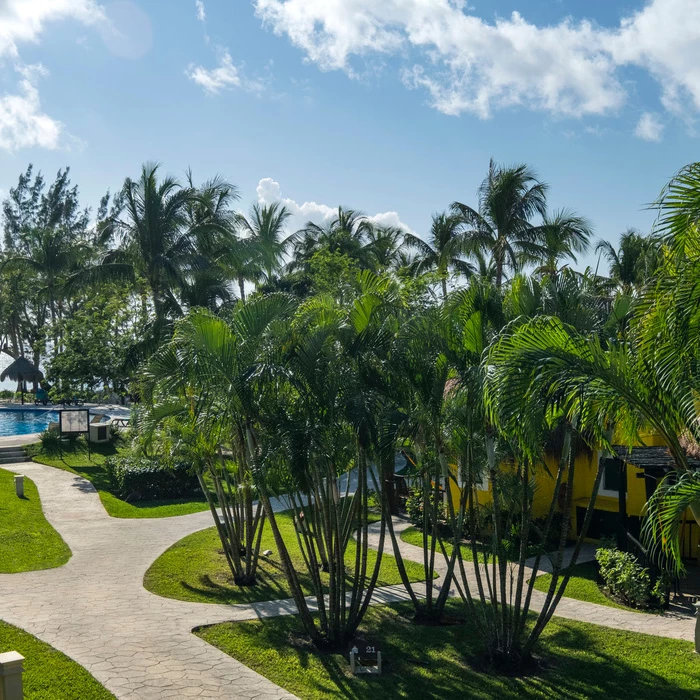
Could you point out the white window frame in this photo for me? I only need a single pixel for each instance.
(602, 491)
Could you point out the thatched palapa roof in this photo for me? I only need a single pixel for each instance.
(22, 369)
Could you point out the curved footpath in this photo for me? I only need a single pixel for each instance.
(139, 645)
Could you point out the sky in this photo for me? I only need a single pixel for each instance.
(393, 108)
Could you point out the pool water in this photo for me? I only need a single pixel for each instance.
(14, 422)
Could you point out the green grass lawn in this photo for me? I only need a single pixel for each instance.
(49, 674)
(27, 541)
(414, 536)
(578, 661)
(195, 569)
(75, 459)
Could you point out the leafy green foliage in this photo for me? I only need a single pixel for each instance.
(138, 478)
(624, 577)
(75, 459)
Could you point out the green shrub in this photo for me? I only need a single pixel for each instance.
(51, 441)
(138, 478)
(624, 576)
(414, 507)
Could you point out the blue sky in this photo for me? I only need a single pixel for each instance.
(391, 107)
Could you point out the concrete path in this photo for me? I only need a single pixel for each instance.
(95, 609)
(672, 625)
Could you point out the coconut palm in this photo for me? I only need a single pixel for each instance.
(633, 262)
(264, 232)
(345, 234)
(562, 236)
(385, 244)
(165, 231)
(501, 226)
(444, 250)
(52, 254)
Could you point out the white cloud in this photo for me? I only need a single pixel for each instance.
(201, 12)
(269, 191)
(649, 128)
(24, 20)
(225, 75)
(22, 123)
(467, 64)
(664, 38)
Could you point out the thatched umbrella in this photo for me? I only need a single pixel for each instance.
(22, 370)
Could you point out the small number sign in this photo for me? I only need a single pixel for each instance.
(365, 657)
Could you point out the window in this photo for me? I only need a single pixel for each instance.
(612, 476)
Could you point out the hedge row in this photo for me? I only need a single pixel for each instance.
(136, 479)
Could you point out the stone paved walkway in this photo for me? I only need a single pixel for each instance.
(141, 646)
(95, 609)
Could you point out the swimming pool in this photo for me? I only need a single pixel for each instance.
(13, 422)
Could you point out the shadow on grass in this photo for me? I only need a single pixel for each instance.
(577, 661)
(268, 587)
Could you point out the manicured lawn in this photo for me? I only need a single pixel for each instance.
(195, 569)
(414, 536)
(27, 541)
(49, 674)
(583, 585)
(75, 459)
(579, 661)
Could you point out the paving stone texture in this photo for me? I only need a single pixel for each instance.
(141, 646)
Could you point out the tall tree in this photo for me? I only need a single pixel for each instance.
(46, 237)
(633, 262)
(443, 251)
(563, 235)
(166, 233)
(344, 234)
(502, 226)
(265, 235)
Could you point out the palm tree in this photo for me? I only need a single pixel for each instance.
(203, 380)
(502, 226)
(345, 234)
(205, 287)
(444, 250)
(562, 235)
(52, 256)
(166, 232)
(385, 243)
(633, 262)
(264, 231)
